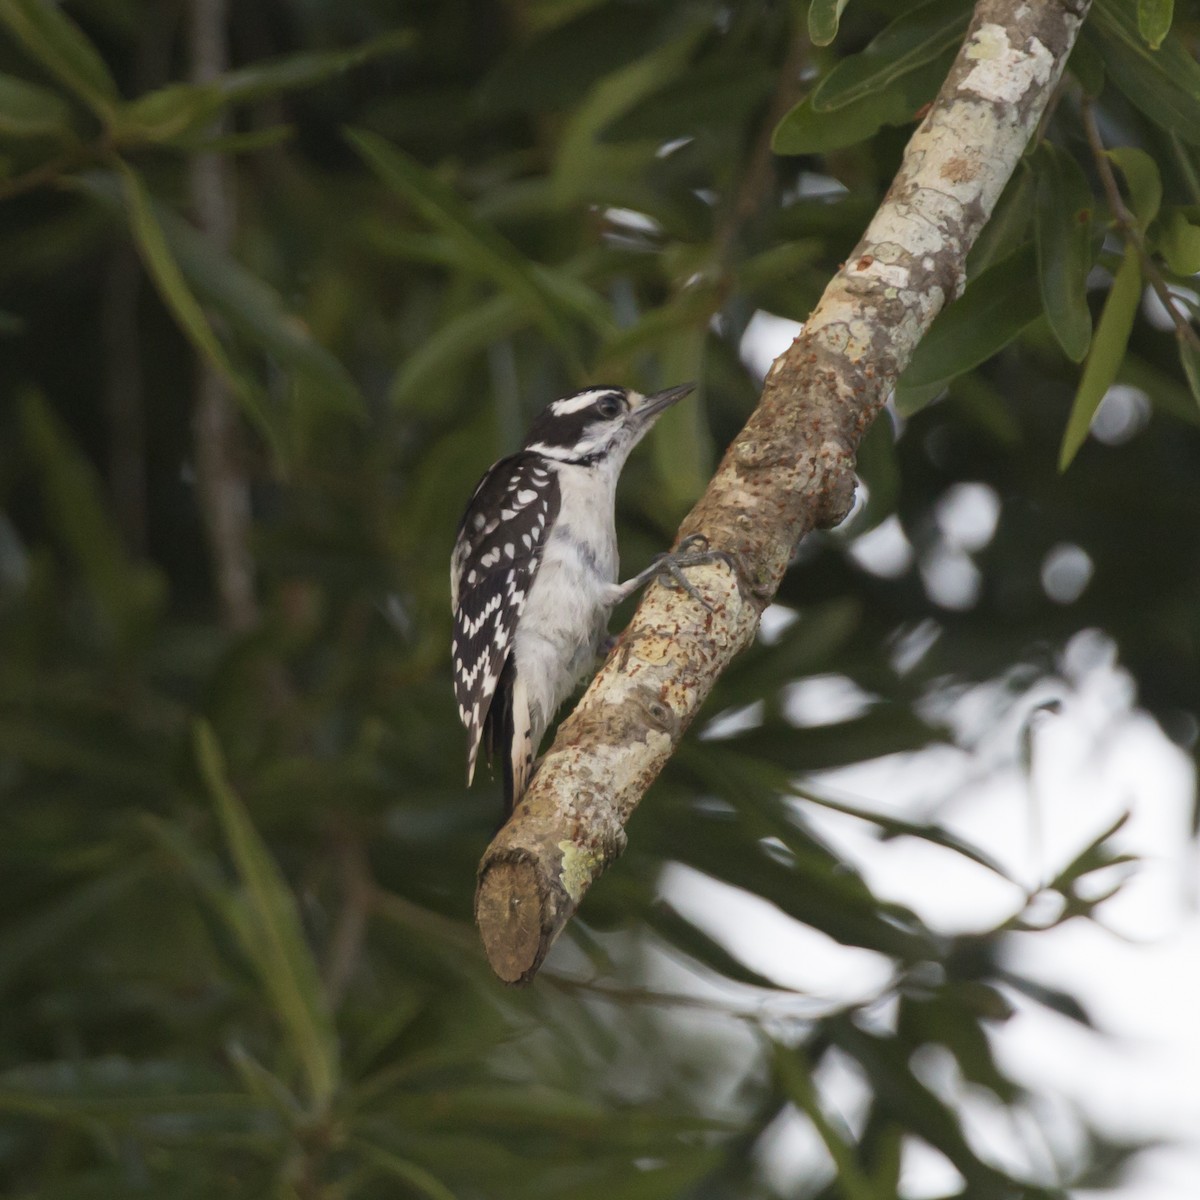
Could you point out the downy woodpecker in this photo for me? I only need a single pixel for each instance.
(533, 577)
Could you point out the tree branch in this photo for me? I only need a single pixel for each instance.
(790, 470)
(1131, 231)
(224, 491)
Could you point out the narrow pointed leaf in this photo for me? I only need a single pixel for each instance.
(492, 254)
(416, 1179)
(280, 952)
(52, 38)
(1189, 356)
(125, 593)
(794, 1071)
(679, 932)
(256, 312)
(275, 76)
(910, 42)
(1163, 83)
(28, 110)
(160, 262)
(996, 306)
(1064, 248)
(1108, 349)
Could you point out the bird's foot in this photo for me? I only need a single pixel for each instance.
(693, 551)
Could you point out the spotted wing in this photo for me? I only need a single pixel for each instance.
(496, 557)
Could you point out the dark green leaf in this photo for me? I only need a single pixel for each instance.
(114, 1089)
(1163, 83)
(823, 19)
(416, 1179)
(885, 1061)
(1108, 349)
(418, 384)
(272, 932)
(1189, 356)
(1064, 248)
(1143, 181)
(912, 41)
(51, 37)
(554, 69)
(809, 130)
(995, 308)
(274, 76)
(680, 933)
(256, 312)
(1087, 65)
(163, 115)
(722, 92)
(1154, 20)
(125, 593)
(1178, 241)
(156, 253)
(27, 110)
(795, 1072)
(492, 254)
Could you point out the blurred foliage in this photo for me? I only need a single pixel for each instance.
(236, 870)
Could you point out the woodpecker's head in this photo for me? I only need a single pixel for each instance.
(599, 424)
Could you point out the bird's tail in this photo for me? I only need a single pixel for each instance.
(508, 736)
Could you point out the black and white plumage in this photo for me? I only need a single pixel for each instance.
(533, 576)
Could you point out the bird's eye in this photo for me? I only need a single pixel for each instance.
(609, 407)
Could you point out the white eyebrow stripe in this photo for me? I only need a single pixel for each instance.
(573, 404)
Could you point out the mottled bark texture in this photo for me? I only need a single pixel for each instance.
(790, 470)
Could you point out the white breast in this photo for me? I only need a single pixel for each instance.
(566, 613)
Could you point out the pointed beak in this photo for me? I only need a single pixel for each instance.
(656, 402)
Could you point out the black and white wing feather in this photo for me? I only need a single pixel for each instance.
(496, 556)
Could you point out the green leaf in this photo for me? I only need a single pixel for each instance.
(256, 312)
(493, 255)
(32, 937)
(419, 383)
(27, 110)
(910, 42)
(721, 92)
(57, 43)
(125, 593)
(162, 115)
(1142, 180)
(681, 443)
(794, 1071)
(160, 262)
(896, 827)
(262, 80)
(1064, 248)
(886, 1063)
(553, 70)
(823, 19)
(116, 1090)
(416, 1179)
(272, 932)
(805, 130)
(1108, 349)
(1154, 20)
(179, 109)
(1087, 65)
(1163, 83)
(1178, 241)
(680, 933)
(1189, 357)
(997, 305)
